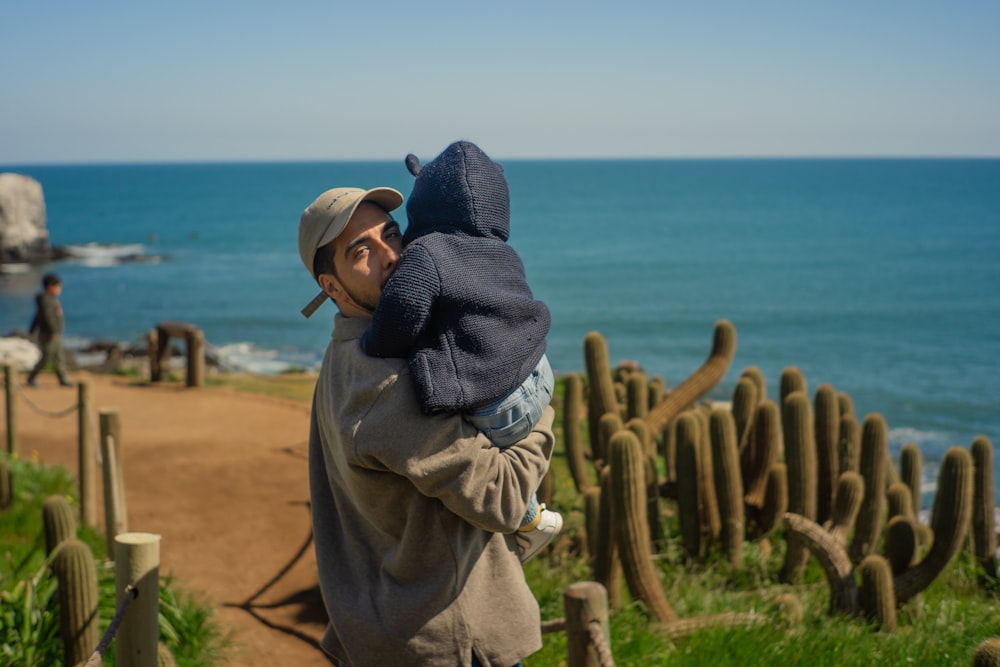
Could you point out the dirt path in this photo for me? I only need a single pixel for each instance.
(222, 477)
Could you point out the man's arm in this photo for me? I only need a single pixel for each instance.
(445, 457)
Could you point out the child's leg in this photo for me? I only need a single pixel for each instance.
(511, 418)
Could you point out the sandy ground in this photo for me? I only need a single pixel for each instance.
(222, 478)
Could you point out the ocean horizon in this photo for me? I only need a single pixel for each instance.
(878, 276)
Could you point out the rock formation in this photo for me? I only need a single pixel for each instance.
(23, 234)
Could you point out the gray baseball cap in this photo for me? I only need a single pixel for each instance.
(325, 218)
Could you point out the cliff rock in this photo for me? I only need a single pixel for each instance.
(23, 234)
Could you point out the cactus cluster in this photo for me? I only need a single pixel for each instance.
(800, 467)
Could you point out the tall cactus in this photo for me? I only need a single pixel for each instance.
(600, 381)
(850, 492)
(744, 406)
(58, 522)
(826, 419)
(792, 379)
(728, 484)
(950, 518)
(987, 653)
(900, 501)
(607, 566)
(761, 453)
(688, 505)
(757, 377)
(609, 424)
(868, 527)
(79, 623)
(699, 382)
(775, 499)
(636, 396)
(634, 547)
(910, 471)
(849, 447)
(576, 457)
(800, 458)
(876, 596)
(900, 543)
(984, 534)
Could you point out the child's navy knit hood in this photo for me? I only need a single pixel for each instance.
(461, 189)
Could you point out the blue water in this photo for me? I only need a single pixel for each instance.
(880, 277)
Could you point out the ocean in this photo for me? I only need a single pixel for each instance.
(880, 277)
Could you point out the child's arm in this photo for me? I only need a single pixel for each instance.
(404, 308)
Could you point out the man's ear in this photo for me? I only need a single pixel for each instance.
(329, 284)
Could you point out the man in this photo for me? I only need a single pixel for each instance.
(412, 514)
(48, 325)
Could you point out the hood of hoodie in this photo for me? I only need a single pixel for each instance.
(461, 190)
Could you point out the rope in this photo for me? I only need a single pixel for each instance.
(42, 411)
(131, 593)
(597, 638)
(595, 630)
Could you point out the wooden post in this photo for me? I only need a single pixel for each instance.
(584, 602)
(88, 480)
(153, 351)
(10, 382)
(115, 513)
(137, 564)
(195, 340)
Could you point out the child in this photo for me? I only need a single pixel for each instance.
(459, 307)
(48, 325)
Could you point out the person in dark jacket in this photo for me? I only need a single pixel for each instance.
(48, 326)
(460, 309)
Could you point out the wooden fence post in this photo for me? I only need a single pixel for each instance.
(585, 602)
(195, 340)
(115, 513)
(88, 506)
(137, 564)
(153, 351)
(10, 382)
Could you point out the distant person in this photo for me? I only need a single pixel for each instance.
(459, 308)
(48, 326)
(412, 514)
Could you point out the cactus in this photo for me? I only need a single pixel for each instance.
(826, 418)
(984, 536)
(657, 391)
(900, 501)
(849, 447)
(631, 523)
(911, 470)
(760, 382)
(900, 543)
(846, 403)
(592, 519)
(800, 458)
(761, 453)
(636, 396)
(847, 502)
(699, 382)
(876, 596)
(950, 518)
(79, 623)
(606, 565)
(728, 484)
(641, 431)
(609, 424)
(874, 437)
(6, 485)
(688, 505)
(831, 557)
(987, 653)
(602, 389)
(744, 407)
(707, 499)
(775, 499)
(576, 457)
(788, 609)
(791, 380)
(58, 521)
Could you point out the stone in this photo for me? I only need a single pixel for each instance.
(23, 233)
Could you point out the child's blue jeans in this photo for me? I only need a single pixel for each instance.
(511, 418)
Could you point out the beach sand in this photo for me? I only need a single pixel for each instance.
(221, 476)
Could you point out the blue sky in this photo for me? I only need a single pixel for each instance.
(374, 79)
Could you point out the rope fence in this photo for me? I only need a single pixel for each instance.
(588, 633)
(96, 658)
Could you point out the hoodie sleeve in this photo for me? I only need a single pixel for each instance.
(405, 307)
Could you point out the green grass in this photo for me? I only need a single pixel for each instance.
(29, 622)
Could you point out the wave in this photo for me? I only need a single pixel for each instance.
(110, 254)
(248, 358)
